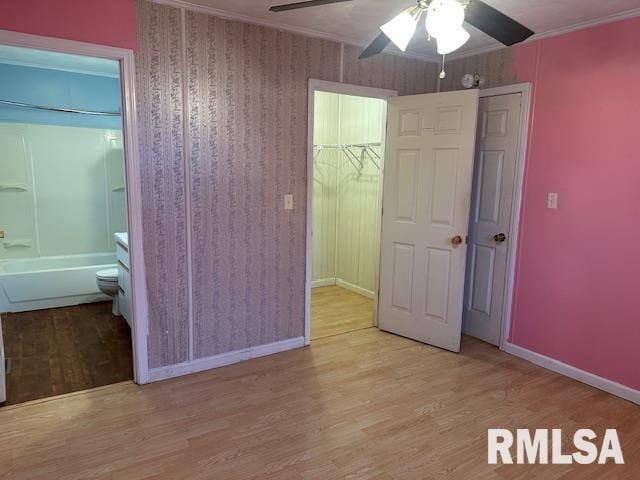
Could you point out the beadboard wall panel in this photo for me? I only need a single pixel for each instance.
(346, 210)
(358, 221)
(160, 119)
(247, 96)
(325, 176)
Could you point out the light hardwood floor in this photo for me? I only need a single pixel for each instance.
(336, 310)
(365, 405)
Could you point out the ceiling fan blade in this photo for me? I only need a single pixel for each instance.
(375, 47)
(495, 24)
(309, 3)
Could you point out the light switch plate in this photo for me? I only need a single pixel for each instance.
(552, 200)
(288, 202)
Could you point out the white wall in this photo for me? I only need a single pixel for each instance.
(346, 211)
(62, 190)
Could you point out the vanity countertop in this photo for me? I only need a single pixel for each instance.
(122, 239)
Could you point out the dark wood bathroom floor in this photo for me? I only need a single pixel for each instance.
(63, 350)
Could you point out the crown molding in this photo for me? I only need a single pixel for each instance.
(309, 32)
(635, 12)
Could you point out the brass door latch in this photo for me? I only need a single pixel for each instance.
(500, 237)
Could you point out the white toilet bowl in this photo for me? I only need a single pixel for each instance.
(107, 281)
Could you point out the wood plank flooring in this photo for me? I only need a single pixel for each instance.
(64, 350)
(336, 310)
(365, 405)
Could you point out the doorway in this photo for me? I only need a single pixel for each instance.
(72, 294)
(347, 130)
(443, 117)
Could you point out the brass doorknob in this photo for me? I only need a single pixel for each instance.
(500, 237)
(457, 240)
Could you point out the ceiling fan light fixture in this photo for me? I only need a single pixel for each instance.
(443, 16)
(452, 40)
(401, 28)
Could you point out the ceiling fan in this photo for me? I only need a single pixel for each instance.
(444, 19)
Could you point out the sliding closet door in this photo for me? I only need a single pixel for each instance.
(427, 190)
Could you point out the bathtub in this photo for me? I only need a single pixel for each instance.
(49, 282)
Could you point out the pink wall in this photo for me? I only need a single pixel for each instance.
(577, 294)
(111, 22)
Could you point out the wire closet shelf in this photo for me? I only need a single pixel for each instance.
(356, 153)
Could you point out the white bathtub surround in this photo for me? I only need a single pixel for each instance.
(62, 190)
(50, 282)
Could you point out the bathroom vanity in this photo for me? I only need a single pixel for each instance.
(124, 276)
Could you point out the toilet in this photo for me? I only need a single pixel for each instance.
(107, 281)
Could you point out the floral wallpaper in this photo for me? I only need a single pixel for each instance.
(160, 117)
(224, 138)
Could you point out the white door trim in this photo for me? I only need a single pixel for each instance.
(523, 135)
(342, 89)
(132, 174)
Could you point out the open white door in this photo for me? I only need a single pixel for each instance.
(427, 192)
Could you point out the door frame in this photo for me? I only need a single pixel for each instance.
(140, 320)
(341, 89)
(516, 202)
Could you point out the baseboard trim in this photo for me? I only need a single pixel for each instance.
(323, 282)
(549, 363)
(355, 288)
(228, 358)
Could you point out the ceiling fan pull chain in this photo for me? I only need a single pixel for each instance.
(443, 74)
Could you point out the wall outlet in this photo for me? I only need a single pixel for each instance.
(288, 202)
(552, 201)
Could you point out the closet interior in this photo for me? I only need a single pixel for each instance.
(346, 211)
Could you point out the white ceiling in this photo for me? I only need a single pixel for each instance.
(357, 21)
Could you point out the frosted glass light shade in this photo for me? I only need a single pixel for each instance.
(443, 16)
(400, 29)
(452, 40)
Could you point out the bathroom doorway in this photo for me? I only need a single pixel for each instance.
(70, 320)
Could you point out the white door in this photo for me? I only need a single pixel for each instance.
(427, 193)
(491, 209)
